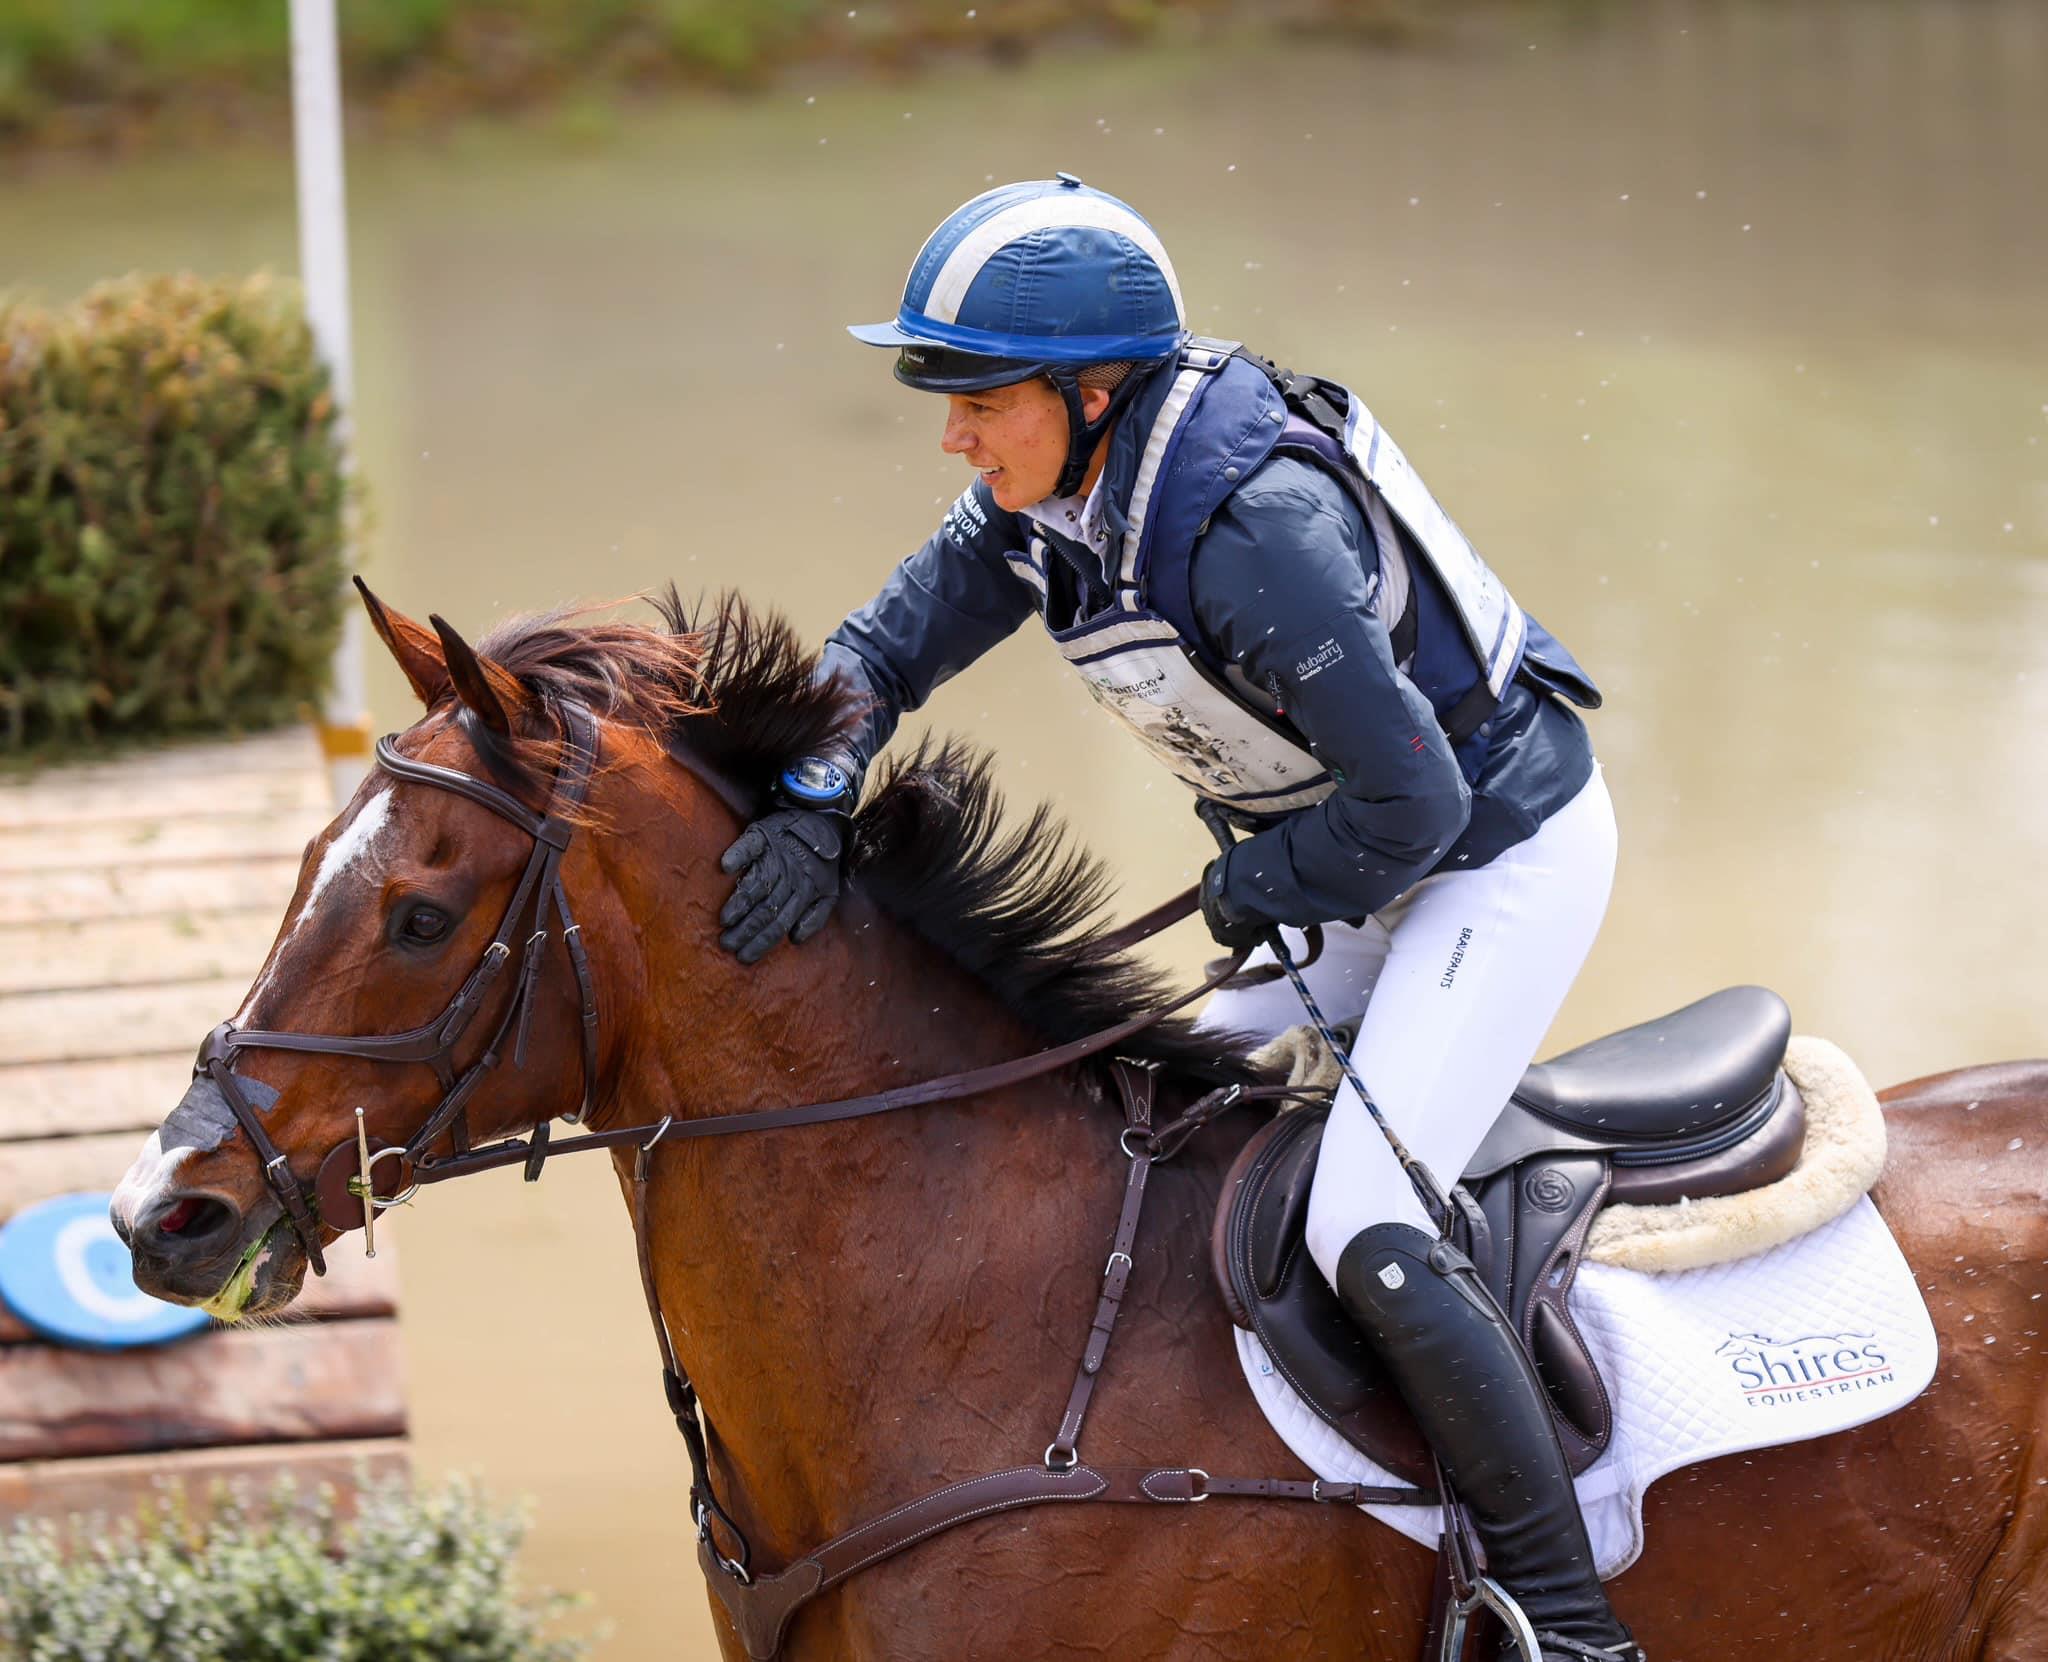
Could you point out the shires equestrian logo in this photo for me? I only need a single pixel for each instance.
(1774, 1372)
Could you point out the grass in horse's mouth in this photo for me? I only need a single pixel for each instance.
(227, 1304)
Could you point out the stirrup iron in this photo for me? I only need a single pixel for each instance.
(1470, 1590)
(1488, 1594)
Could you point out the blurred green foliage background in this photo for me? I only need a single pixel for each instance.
(171, 512)
(412, 1576)
(114, 72)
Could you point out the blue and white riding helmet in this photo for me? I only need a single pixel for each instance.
(1040, 278)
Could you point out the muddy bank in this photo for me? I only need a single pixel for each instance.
(117, 79)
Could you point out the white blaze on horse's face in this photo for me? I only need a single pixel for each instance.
(353, 852)
(153, 1172)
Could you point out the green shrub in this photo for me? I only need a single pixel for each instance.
(413, 1577)
(171, 508)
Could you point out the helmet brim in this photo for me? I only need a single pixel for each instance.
(934, 366)
(891, 334)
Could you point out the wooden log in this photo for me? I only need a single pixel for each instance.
(285, 750)
(114, 1484)
(116, 1021)
(69, 1099)
(353, 1287)
(227, 833)
(56, 799)
(314, 1383)
(34, 1171)
(126, 952)
(193, 890)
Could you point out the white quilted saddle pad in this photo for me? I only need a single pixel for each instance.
(1822, 1333)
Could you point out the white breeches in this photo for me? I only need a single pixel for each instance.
(1459, 978)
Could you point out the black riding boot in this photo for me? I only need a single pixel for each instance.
(1457, 1364)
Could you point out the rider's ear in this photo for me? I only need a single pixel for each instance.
(484, 687)
(418, 653)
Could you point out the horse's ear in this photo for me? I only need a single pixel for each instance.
(490, 692)
(418, 653)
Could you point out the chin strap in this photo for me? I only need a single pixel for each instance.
(1082, 434)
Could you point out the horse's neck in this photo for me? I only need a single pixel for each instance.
(868, 1305)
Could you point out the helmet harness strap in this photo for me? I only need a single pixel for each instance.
(1082, 434)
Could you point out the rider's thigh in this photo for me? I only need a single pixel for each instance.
(1478, 964)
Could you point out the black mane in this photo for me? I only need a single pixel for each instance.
(1021, 910)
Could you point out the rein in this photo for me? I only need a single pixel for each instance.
(348, 1195)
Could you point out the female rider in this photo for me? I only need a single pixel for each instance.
(1249, 575)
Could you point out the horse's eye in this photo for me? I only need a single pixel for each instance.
(424, 923)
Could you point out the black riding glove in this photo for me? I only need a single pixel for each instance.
(791, 858)
(1231, 929)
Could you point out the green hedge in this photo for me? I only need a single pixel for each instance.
(171, 513)
(424, 1577)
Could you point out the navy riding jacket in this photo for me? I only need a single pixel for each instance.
(1288, 555)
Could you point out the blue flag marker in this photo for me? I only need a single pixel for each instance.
(66, 1274)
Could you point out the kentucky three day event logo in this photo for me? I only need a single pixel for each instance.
(1774, 1372)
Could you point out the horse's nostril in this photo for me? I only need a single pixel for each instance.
(194, 1215)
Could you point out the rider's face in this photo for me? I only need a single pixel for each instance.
(1015, 437)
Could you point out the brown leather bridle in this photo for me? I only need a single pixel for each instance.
(349, 1192)
(526, 914)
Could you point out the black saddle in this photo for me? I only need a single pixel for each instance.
(1693, 1104)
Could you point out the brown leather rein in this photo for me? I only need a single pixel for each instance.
(350, 1190)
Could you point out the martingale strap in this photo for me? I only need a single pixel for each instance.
(762, 1606)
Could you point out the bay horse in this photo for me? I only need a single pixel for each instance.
(873, 1308)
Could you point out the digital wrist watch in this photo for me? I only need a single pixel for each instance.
(820, 785)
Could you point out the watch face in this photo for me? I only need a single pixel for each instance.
(814, 777)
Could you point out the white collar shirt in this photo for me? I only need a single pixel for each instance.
(1082, 520)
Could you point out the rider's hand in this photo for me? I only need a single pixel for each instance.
(1231, 928)
(791, 859)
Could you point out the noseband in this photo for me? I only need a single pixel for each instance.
(341, 1202)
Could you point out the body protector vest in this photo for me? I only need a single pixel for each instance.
(1457, 632)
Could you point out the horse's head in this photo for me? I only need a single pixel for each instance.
(433, 981)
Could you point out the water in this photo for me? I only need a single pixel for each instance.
(1719, 330)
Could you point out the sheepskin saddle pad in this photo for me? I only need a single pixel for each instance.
(1702, 1137)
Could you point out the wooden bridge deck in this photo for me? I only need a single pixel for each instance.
(137, 899)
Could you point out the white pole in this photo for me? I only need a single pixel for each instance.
(323, 267)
